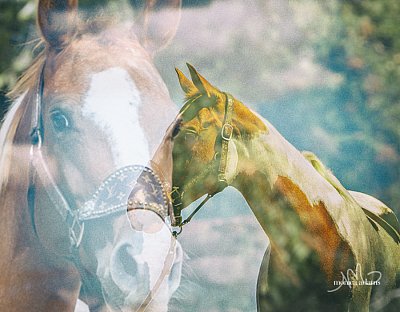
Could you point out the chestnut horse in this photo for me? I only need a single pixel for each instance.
(87, 117)
(329, 247)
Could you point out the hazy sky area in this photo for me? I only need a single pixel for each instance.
(324, 73)
(261, 49)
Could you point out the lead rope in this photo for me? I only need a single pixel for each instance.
(226, 136)
(168, 263)
(188, 219)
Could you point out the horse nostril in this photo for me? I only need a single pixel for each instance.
(126, 263)
(126, 272)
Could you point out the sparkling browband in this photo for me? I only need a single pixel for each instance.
(131, 187)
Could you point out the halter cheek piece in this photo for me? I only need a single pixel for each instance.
(221, 155)
(38, 168)
(138, 188)
(127, 181)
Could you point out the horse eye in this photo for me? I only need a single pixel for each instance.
(176, 130)
(206, 124)
(60, 121)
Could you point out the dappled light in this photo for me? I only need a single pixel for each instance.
(195, 200)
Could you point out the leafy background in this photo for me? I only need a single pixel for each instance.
(325, 73)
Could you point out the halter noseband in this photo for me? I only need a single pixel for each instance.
(129, 177)
(222, 156)
(101, 204)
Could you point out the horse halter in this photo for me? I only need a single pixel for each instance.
(139, 188)
(221, 155)
(103, 202)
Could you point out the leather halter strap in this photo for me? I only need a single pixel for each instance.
(226, 136)
(168, 263)
(126, 177)
(37, 124)
(222, 155)
(39, 169)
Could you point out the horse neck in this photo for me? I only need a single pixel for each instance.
(32, 278)
(288, 197)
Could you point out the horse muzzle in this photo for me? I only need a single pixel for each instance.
(144, 252)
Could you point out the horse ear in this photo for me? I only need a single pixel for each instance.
(201, 83)
(159, 23)
(186, 85)
(57, 21)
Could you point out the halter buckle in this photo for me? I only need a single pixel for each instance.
(227, 131)
(222, 178)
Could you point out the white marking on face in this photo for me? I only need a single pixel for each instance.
(113, 103)
(155, 252)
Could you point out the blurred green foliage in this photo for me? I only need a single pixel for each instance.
(363, 46)
(16, 20)
(359, 118)
(17, 29)
(354, 126)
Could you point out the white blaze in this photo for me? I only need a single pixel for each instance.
(113, 103)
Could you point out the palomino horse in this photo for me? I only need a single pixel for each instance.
(330, 247)
(88, 116)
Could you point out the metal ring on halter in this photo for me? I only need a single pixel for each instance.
(175, 233)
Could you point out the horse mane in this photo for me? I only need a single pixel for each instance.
(374, 210)
(18, 96)
(8, 131)
(29, 78)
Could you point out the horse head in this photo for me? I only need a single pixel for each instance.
(95, 114)
(205, 157)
